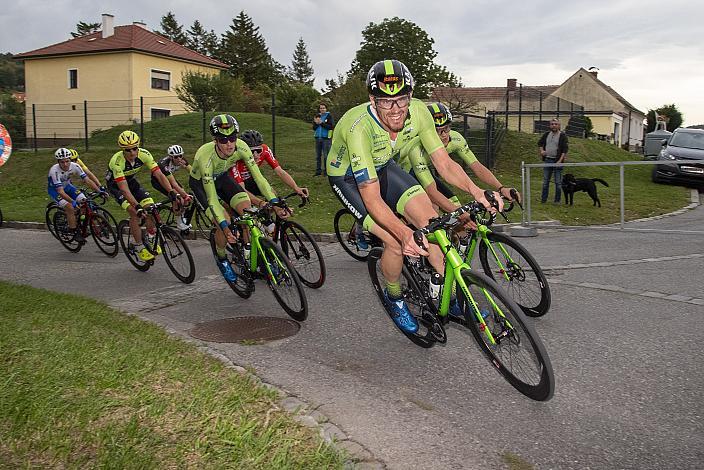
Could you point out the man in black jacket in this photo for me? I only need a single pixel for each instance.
(553, 149)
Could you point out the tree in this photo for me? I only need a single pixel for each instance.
(205, 92)
(456, 101)
(243, 48)
(673, 117)
(11, 73)
(12, 116)
(301, 70)
(399, 39)
(296, 100)
(170, 29)
(83, 28)
(202, 41)
(345, 93)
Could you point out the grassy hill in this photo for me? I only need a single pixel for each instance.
(23, 179)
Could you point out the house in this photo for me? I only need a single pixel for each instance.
(529, 108)
(117, 75)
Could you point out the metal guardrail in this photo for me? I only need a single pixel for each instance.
(525, 179)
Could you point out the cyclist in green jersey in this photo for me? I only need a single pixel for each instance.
(211, 182)
(366, 179)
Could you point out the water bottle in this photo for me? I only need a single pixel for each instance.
(435, 282)
(247, 250)
(464, 244)
(270, 229)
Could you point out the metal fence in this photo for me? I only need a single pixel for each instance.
(482, 133)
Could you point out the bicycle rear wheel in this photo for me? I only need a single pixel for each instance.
(51, 209)
(64, 233)
(108, 216)
(346, 233)
(244, 285)
(517, 351)
(167, 215)
(127, 242)
(282, 279)
(177, 255)
(103, 234)
(304, 253)
(517, 273)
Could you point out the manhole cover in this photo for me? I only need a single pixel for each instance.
(233, 330)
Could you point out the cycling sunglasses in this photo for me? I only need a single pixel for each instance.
(229, 138)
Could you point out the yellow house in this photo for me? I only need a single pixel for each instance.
(118, 75)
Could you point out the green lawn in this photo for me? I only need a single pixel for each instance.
(84, 386)
(23, 179)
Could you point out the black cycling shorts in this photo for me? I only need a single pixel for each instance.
(135, 188)
(225, 185)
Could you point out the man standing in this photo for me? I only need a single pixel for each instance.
(553, 149)
(322, 129)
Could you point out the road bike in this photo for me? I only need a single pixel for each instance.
(195, 215)
(355, 239)
(496, 322)
(89, 219)
(166, 242)
(263, 260)
(98, 199)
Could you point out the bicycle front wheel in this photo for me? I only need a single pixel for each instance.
(304, 253)
(516, 271)
(506, 338)
(177, 255)
(127, 242)
(64, 233)
(244, 285)
(51, 209)
(347, 232)
(282, 279)
(103, 234)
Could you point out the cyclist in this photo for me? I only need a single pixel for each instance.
(211, 182)
(366, 179)
(66, 195)
(414, 159)
(76, 159)
(123, 185)
(172, 162)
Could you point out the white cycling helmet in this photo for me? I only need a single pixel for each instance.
(175, 151)
(62, 154)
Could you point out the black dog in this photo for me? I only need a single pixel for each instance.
(571, 185)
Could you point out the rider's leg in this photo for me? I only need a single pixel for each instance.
(418, 211)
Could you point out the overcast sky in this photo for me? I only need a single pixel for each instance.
(650, 52)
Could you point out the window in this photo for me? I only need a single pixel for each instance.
(161, 80)
(160, 113)
(73, 78)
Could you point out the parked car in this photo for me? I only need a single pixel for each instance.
(683, 144)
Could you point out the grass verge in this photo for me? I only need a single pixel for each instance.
(82, 385)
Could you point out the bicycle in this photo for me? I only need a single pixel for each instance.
(297, 244)
(265, 261)
(348, 230)
(89, 219)
(99, 199)
(496, 322)
(195, 215)
(173, 247)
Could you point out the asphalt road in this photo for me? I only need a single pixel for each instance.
(625, 336)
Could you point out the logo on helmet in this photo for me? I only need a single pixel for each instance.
(390, 78)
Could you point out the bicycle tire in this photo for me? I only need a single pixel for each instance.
(413, 295)
(304, 253)
(345, 234)
(103, 234)
(167, 215)
(202, 224)
(1, 219)
(51, 209)
(518, 351)
(64, 233)
(174, 247)
(286, 277)
(244, 285)
(106, 213)
(528, 287)
(124, 234)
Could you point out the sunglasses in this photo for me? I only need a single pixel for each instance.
(229, 138)
(388, 103)
(135, 149)
(256, 149)
(443, 130)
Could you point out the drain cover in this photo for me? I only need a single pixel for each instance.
(233, 330)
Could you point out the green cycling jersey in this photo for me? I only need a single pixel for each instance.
(208, 166)
(361, 146)
(119, 168)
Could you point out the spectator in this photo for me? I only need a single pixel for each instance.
(553, 149)
(322, 128)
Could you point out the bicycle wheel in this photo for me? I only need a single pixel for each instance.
(177, 255)
(282, 279)
(64, 233)
(167, 215)
(127, 243)
(413, 295)
(516, 272)
(0, 217)
(108, 216)
(103, 234)
(51, 209)
(244, 285)
(202, 224)
(517, 351)
(346, 233)
(304, 253)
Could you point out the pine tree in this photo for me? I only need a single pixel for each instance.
(211, 44)
(196, 38)
(172, 30)
(83, 28)
(301, 70)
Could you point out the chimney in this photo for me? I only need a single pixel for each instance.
(593, 71)
(511, 83)
(141, 24)
(108, 28)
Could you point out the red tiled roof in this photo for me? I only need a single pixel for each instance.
(126, 38)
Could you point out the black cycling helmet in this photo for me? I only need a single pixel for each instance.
(441, 115)
(224, 125)
(389, 78)
(252, 138)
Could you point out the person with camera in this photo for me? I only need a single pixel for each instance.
(323, 124)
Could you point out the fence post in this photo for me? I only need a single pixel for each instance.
(465, 127)
(523, 190)
(621, 192)
(527, 196)
(85, 120)
(273, 123)
(558, 107)
(141, 119)
(520, 105)
(34, 125)
(487, 139)
(506, 108)
(203, 139)
(540, 111)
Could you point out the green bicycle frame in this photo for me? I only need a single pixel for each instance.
(482, 236)
(453, 268)
(256, 249)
